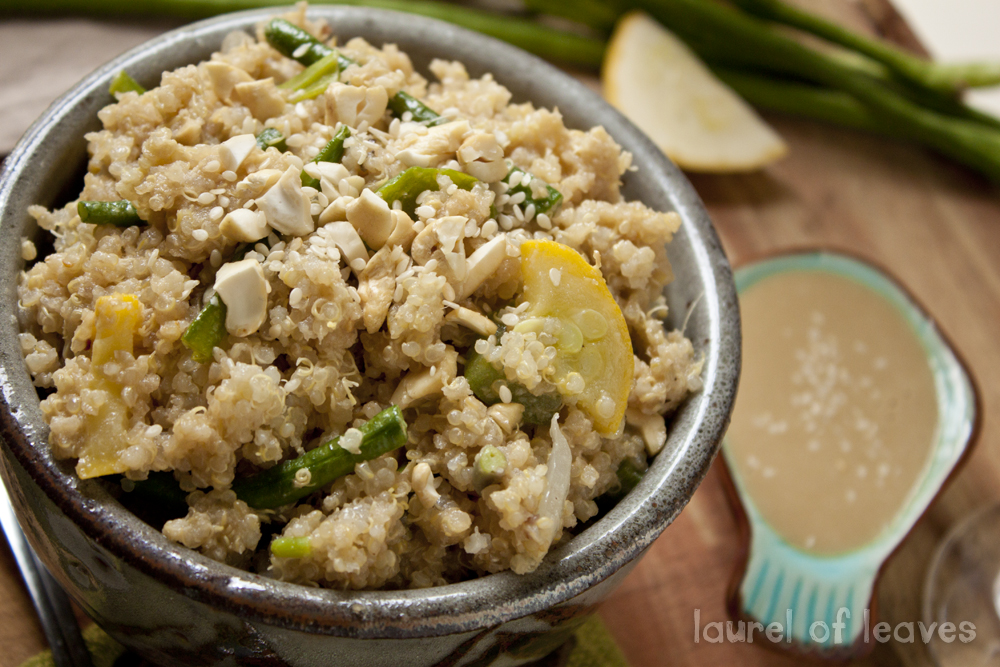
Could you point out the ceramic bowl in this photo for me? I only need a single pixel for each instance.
(174, 606)
(780, 583)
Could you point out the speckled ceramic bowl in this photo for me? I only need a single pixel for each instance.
(173, 605)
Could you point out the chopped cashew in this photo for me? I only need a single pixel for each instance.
(376, 284)
(442, 240)
(422, 480)
(483, 263)
(353, 105)
(653, 429)
(470, 319)
(346, 238)
(329, 174)
(336, 211)
(261, 98)
(506, 415)
(402, 230)
(417, 385)
(244, 225)
(189, 134)
(286, 205)
(260, 181)
(435, 147)
(242, 287)
(372, 217)
(481, 156)
(233, 151)
(224, 77)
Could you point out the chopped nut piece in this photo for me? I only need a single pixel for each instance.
(481, 156)
(376, 284)
(422, 479)
(653, 429)
(346, 238)
(483, 263)
(470, 319)
(421, 384)
(435, 147)
(402, 230)
(353, 105)
(506, 415)
(242, 287)
(244, 225)
(233, 151)
(286, 206)
(261, 98)
(224, 77)
(371, 216)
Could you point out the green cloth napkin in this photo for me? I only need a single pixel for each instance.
(594, 647)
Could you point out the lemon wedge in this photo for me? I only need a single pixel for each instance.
(594, 362)
(653, 78)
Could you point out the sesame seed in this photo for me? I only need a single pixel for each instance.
(206, 198)
(216, 213)
(200, 235)
(505, 394)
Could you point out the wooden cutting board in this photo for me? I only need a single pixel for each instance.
(934, 225)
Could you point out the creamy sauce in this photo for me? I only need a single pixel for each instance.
(836, 412)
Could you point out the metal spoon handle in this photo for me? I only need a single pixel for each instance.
(53, 606)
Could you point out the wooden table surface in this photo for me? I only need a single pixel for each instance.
(935, 225)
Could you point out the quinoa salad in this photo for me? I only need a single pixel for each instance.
(358, 329)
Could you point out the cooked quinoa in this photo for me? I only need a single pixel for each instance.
(344, 304)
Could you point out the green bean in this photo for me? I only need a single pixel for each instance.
(270, 136)
(291, 547)
(332, 152)
(403, 102)
(407, 186)
(548, 203)
(490, 463)
(117, 213)
(293, 42)
(485, 380)
(123, 83)
(279, 485)
(207, 331)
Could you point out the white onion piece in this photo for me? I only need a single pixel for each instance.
(557, 479)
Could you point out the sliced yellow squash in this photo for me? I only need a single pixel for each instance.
(594, 361)
(118, 317)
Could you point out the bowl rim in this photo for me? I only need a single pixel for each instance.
(592, 556)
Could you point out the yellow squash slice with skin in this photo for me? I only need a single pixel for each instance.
(594, 363)
(118, 317)
(698, 121)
